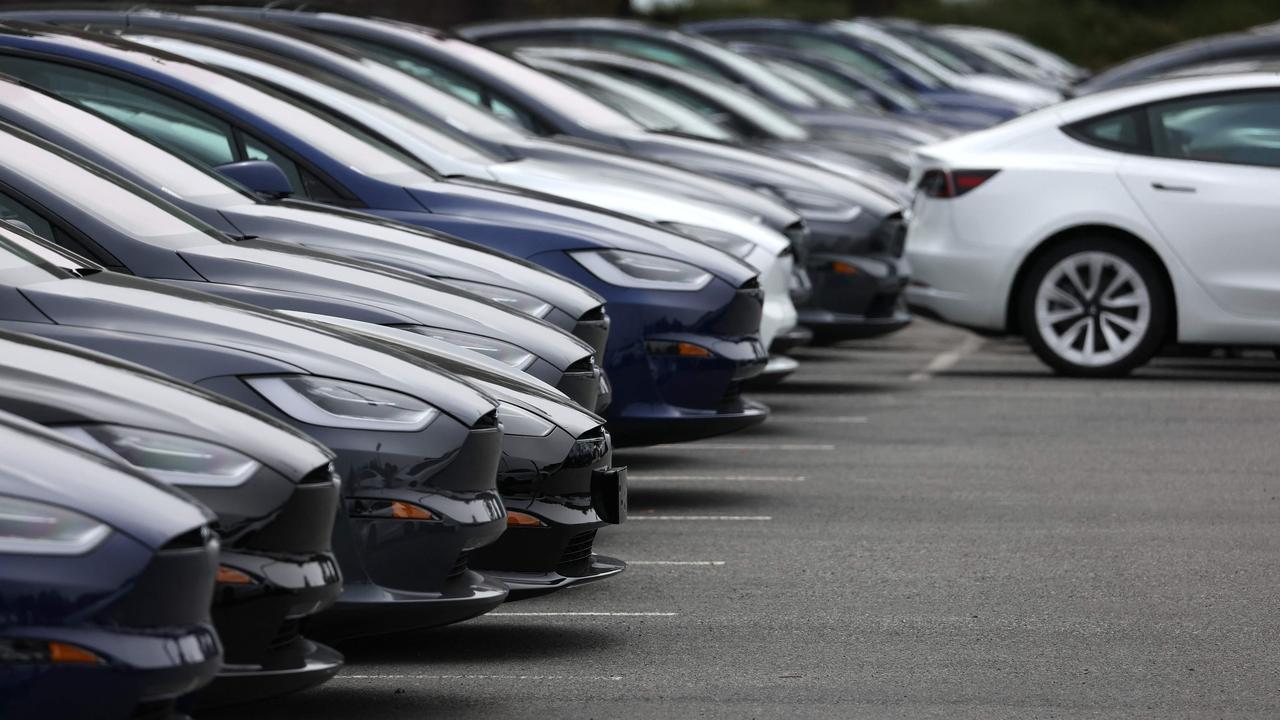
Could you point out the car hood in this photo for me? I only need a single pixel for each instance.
(638, 201)
(1024, 94)
(496, 380)
(904, 129)
(247, 340)
(408, 248)
(41, 466)
(573, 226)
(756, 169)
(263, 265)
(611, 166)
(54, 383)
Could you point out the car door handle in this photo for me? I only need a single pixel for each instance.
(1173, 188)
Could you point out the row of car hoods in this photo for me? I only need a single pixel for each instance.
(315, 326)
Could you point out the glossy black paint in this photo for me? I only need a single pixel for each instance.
(275, 526)
(135, 231)
(449, 466)
(161, 645)
(537, 227)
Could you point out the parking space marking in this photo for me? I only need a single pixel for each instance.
(696, 563)
(719, 478)
(580, 614)
(739, 446)
(843, 419)
(478, 677)
(947, 360)
(728, 518)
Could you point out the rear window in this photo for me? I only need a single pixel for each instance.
(1123, 131)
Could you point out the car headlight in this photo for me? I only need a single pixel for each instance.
(34, 528)
(343, 404)
(719, 239)
(638, 270)
(174, 459)
(814, 204)
(514, 299)
(503, 352)
(515, 420)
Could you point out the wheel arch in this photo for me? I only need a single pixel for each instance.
(1115, 234)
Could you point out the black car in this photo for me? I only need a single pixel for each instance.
(856, 260)
(273, 490)
(126, 228)
(105, 582)
(417, 449)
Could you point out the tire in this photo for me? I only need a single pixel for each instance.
(1076, 331)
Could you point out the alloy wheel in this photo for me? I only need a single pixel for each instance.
(1093, 308)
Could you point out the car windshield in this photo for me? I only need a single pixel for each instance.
(117, 100)
(24, 260)
(161, 169)
(902, 56)
(582, 108)
(710, 98)
(756, 74)
(124, 207)
(828, 96)
(651, 109)
(839, 81)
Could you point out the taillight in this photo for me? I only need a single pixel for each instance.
(954, 183)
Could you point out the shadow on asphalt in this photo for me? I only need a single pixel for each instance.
(473, 643)
(828, 386)
(641, 497)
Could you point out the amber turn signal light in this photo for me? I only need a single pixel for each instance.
(406, 511)
(519, 519)
(232, 576)
(844, 268)
(60, 652)
(682, 349)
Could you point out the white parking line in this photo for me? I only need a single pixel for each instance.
(699, 563)
(843, 419)
(478, 677)
(580, 614)
(948, 359)
(730, 518)
(719, 478)
(742, 446)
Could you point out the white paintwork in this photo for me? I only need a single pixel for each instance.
(1218, 243)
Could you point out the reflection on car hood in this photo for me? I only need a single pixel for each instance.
(114, 302)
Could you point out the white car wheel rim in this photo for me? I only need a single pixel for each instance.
(1092, 309)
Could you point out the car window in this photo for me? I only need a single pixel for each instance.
(23, 260)
(12, 209)
(660, 52)
(1239, 128)
(1123, 131)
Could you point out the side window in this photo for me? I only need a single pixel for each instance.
(166, 122)
(1123, 132)
(658, 52)
(11, 208)
(1238, 128)
(305, 183)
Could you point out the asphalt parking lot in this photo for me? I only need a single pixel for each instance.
(929, 526)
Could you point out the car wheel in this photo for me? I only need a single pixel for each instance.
(1094, 308)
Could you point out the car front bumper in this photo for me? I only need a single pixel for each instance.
(855, 296)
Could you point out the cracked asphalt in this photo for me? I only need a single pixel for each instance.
(928, 526)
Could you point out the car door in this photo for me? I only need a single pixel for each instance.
(1209, 187)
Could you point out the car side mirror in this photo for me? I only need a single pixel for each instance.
(261, 176)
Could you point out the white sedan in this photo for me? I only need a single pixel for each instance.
(1110, 225)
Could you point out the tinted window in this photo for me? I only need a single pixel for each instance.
(12, 209)
(1241, 128)
(1122, 131)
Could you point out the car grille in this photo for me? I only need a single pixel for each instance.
(891, 236)
(459, 566)
(578, 550)
(182, 574)
(593, 329)
(303, 525)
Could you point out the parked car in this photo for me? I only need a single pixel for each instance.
(766, 250)
(862, 86)
(693, 54)
(122, 226)
(273, 490)
(1016, 47)
(106, 577)
(706, 300)
(879, 162)
(854, 228)
(1109, 226)
(418, 475)
(1221, 48)
(829, 42)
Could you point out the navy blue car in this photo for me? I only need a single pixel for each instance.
(106, 579)
(686, 317)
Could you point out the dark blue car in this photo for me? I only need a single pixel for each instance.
(686, 317)
(106, 579)
(835, 45)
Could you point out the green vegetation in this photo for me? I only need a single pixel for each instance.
(1094, 33)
